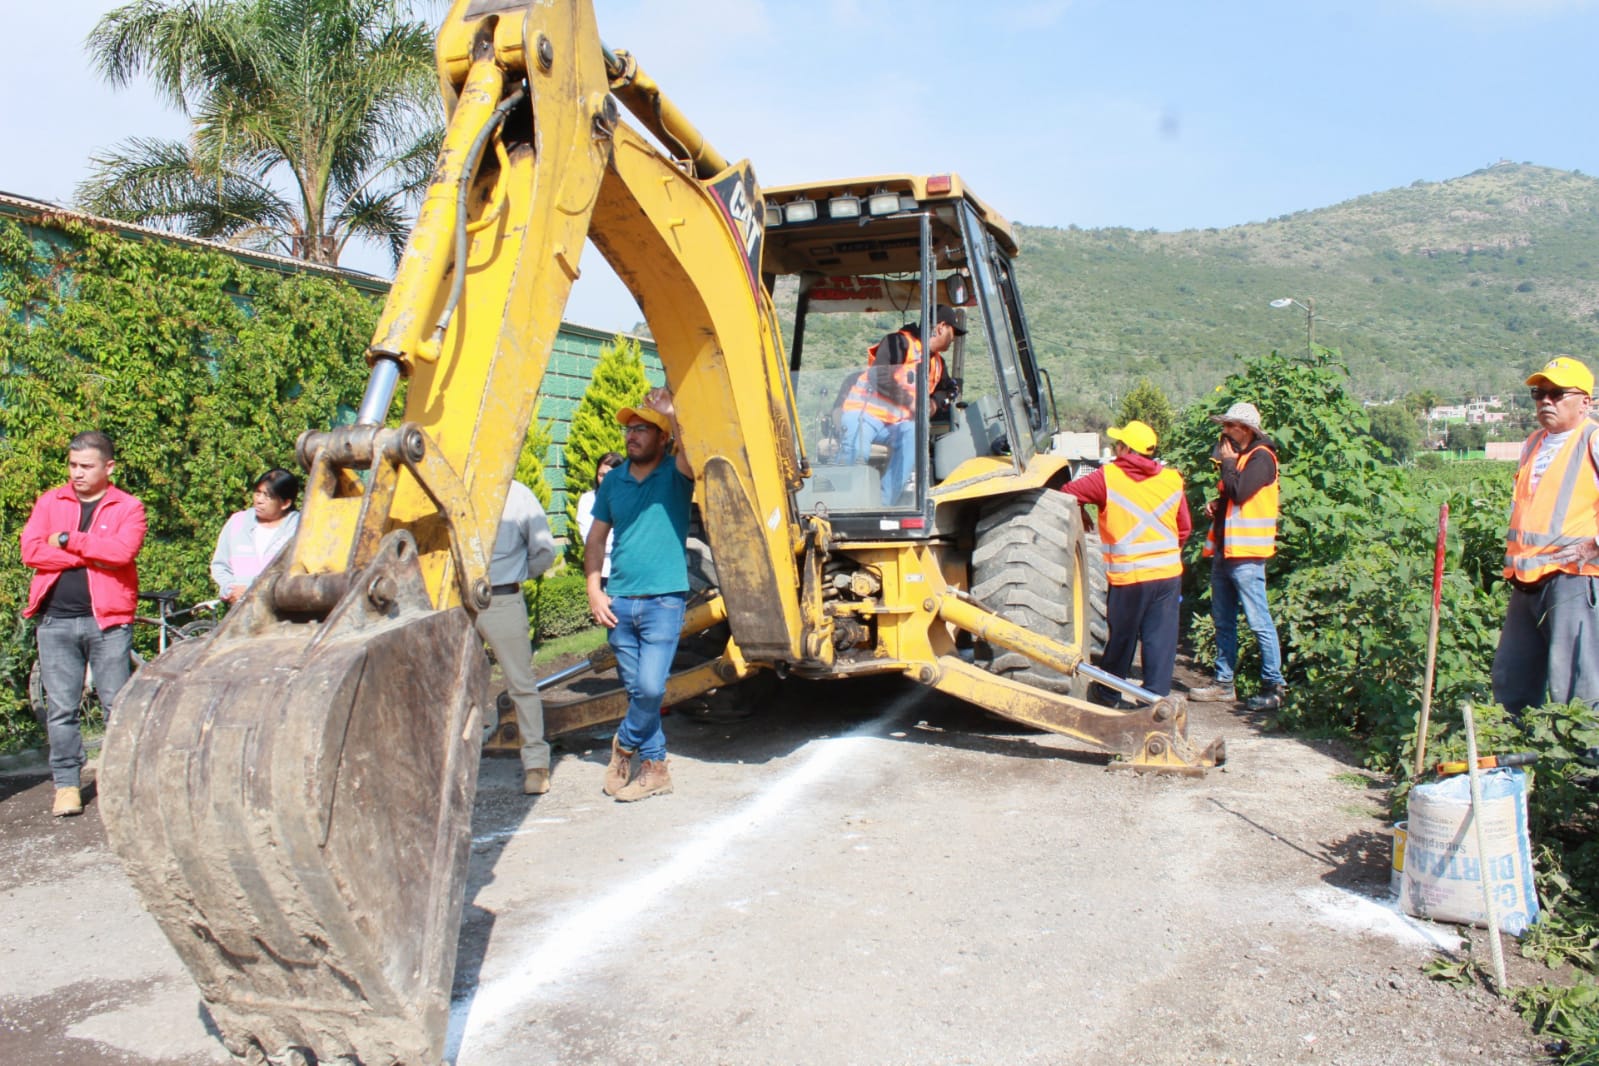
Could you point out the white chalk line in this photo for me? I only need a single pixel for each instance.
(1344, 909)
(579, 939)
(522, 828)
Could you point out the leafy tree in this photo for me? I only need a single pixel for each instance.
(1392, 425)
(1421, 402)
(1147, 403)
(1465, 437)
(618, 382)
(334, 95)
(1329, 474)
(530, 463)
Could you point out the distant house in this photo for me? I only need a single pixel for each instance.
(1504, 450)
(1485, 411)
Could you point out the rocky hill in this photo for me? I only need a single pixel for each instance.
(1461, 286)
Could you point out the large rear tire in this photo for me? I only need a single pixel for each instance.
(1034, 565)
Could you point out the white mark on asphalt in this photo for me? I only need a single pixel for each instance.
(575, 941)
(521, 829)
(1362, 914)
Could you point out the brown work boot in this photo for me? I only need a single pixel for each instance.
(535, 782)
(69, 800)
(1220, 692)
(616, 773)
(653, 779)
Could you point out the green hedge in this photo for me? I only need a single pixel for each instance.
(203, 369)
(559, 605)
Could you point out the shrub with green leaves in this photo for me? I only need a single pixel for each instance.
(202, 369)
(1147, 403)
(559, 605)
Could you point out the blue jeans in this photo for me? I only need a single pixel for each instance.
(645, 640)
(858, 431)
(66, 647)
(1243, 581)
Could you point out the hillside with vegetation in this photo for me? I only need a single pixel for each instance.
(1461, 286)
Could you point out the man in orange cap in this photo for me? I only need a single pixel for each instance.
(1549, 646)
(1143, 520)
(647, 502)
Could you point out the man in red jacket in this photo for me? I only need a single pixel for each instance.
(81, 541)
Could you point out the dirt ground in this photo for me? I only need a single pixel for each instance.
(847, 873)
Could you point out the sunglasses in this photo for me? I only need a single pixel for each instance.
(1554, 394)
(636, 428)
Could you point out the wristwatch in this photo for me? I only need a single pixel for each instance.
(61, 539)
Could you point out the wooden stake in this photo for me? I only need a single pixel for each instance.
(1484, 877)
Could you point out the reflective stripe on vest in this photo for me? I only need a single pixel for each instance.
(1249, 529)
(864, 397)
(1139, 524)
(1558, 514)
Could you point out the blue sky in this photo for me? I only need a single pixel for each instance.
(1157, 114)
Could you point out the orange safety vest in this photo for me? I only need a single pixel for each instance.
(1249, 529)
(1560, 512)
(1139, 526)
(864, 397)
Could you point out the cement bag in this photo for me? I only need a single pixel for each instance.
(1441, 878)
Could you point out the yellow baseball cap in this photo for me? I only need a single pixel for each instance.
(645, 414)
(1137, 436)
(1564, 372)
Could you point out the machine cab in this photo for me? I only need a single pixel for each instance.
(889, 406)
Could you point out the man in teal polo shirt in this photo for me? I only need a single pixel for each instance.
(646, 502)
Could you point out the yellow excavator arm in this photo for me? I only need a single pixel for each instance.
(293, 797)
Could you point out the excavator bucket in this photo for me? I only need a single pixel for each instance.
(293, 800)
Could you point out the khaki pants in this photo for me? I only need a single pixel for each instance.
(504, 626)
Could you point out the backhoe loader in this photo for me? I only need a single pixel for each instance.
(292, 797)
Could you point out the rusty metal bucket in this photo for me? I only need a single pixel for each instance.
(293, 801)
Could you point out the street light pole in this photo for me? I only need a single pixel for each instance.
(1309, 307)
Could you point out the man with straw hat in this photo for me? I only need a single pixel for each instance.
(1243, 535)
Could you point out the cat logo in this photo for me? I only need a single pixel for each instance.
(735, 191)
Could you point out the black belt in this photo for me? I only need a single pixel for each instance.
(507, 590)
(1532, 586)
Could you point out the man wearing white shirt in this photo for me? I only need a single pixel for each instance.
(1549, 646)
(523, 550)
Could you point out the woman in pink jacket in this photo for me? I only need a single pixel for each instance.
(252, 538)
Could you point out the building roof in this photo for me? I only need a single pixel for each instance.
(25, 209)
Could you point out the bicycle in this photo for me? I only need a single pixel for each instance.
(168, 632)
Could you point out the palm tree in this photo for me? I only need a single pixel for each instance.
(314, 121)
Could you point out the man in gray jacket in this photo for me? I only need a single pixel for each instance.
(523, 550)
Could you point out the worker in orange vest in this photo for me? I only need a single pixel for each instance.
(1243, 535)
(1143, 522)
(880, 407)
(1549, 646)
